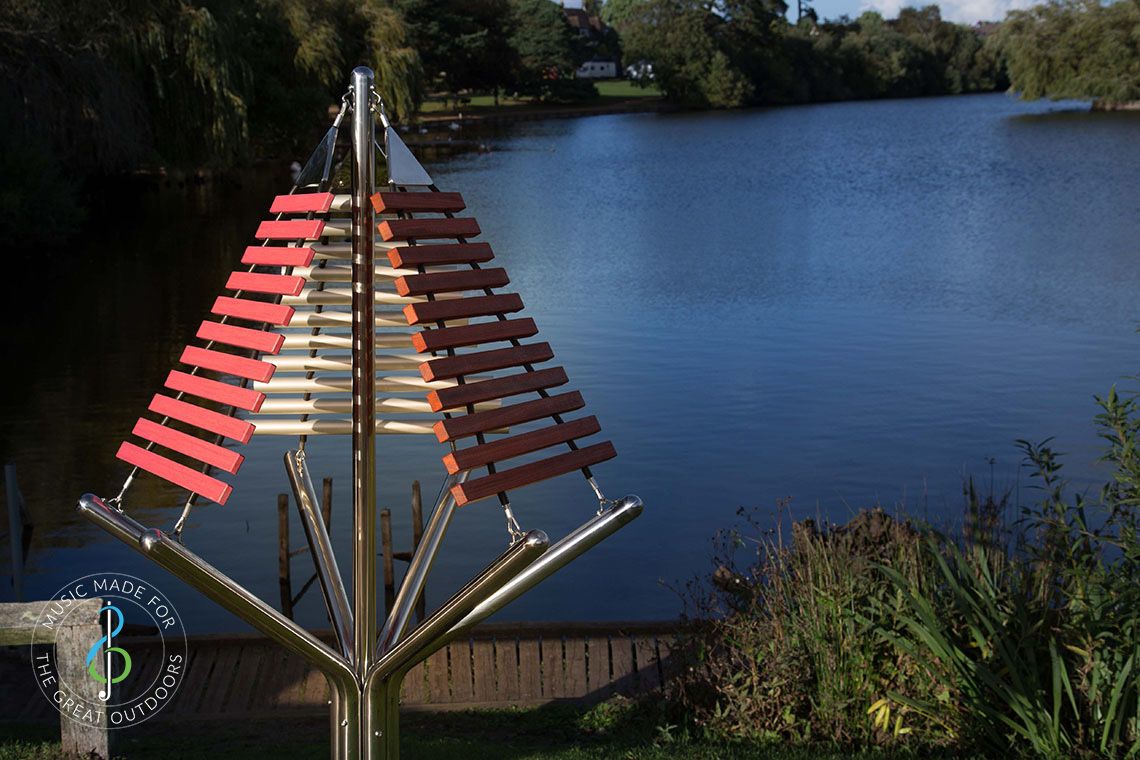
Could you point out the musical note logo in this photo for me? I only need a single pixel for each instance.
(93, 652)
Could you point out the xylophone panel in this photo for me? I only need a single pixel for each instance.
(239, 366)
(241, 337)
(290, 229)
(462, 308)
(301, 203)
(224, 459)
(451, 282)
(178, 474)
(471, 335)
(528, 474)
(270, 255)
(485, 361)
(207, 419)
(212, 390)
(499, 387)
(426, 229)
(254, 311)
(273, 284)
(395, 202)
(528, 411)
(518, 445)
(412, 256)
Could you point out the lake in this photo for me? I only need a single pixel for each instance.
(848, 305)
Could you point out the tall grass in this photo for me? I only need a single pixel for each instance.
(1007, 638)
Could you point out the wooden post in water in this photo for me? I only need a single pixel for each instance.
(386, 550)
(417, 536)
(326, 503)
(284, 578)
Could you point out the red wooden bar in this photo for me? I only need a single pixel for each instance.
(278, 256)
(178, 474)
(301, 203)
(241, 337)
(223, 393)
(290, 229)
(394, 202)
(224, 459)
(451, 282)
(412, 256)
(470, 335)
(480, 422)
(528, 474)
(218, 361)
(485, 361)
(499, 387)
(462, 308)
(517, 445)
(274, 284)
(424, 229)
(254, 311)
(207, 419)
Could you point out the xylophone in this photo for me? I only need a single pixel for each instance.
(318, 335)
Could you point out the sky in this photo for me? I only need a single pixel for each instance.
(961, 11)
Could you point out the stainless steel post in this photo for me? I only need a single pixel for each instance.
(320, 547)
(363, 373)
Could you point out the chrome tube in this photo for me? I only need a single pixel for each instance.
(320, 547)
(223, 590)
(420, 566)
(363, 372)
(576, 543)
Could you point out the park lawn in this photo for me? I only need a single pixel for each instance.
(549, 733)
(610, 92)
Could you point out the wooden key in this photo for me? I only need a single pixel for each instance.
(481, 422)
(178, 474)
(394, 202)
(427, 229)
(471, 335)
(528, 474)
(499, 387)
(462, 308)
(485, 361)
(412, 256)
(517, 445)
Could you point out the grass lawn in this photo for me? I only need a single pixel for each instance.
(609, 92)
(607, 732)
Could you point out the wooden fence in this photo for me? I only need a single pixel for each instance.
(500, 664)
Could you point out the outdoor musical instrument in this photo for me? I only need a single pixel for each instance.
(315, 334)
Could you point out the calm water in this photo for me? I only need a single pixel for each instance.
(845, 304)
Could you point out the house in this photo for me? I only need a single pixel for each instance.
(597, 70)
(599, 40)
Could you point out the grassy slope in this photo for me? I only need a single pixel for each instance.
(610, 92)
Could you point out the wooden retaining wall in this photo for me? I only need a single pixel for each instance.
(500, 664)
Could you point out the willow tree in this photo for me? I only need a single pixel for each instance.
(1076, 49)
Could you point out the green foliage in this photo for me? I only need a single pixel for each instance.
(543, 43)
(1019, 641)
(1075, 49)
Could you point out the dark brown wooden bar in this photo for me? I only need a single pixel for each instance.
(529, 474)
(471, 335)
(517, 445)
(394, 202)
(462, 308)
(427, 229)
(412, 256)
(528, 411)
(451, 282)
(499, 387)
(485, 361)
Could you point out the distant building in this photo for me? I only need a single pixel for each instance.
(581, 21)
(595, 31)
(597, 70)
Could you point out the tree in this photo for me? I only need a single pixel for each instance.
(1075, 49)
(543, 43)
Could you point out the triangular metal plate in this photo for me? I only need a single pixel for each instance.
(403, 168)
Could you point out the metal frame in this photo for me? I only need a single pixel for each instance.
(366, 670)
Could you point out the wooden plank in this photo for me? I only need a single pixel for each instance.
(291, 229)
(648, 667)
(391, 202)
(290, 670)
(212, 390)
(425, 229)
(273, 284)
(621, 664)
(262, 341)
(224, 459)
(517, 445)
(462, 308)
(438, 678)
(254, 311)
(199, 666)
(483, 665)
(485, 361)
(211, 421)
(575, 665)
(499, 387)
(528, 474)
(246, 678)
(229, 364)
(217, 688)
(553, 668)
(300, 203)
(412, 256)
(530, 670)
(598, 666)
(470, 335)
(275, 255)
(178, 474)
(451, 282)
(462, 676)
(413, 690)
(507, 668)
(480, 422)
